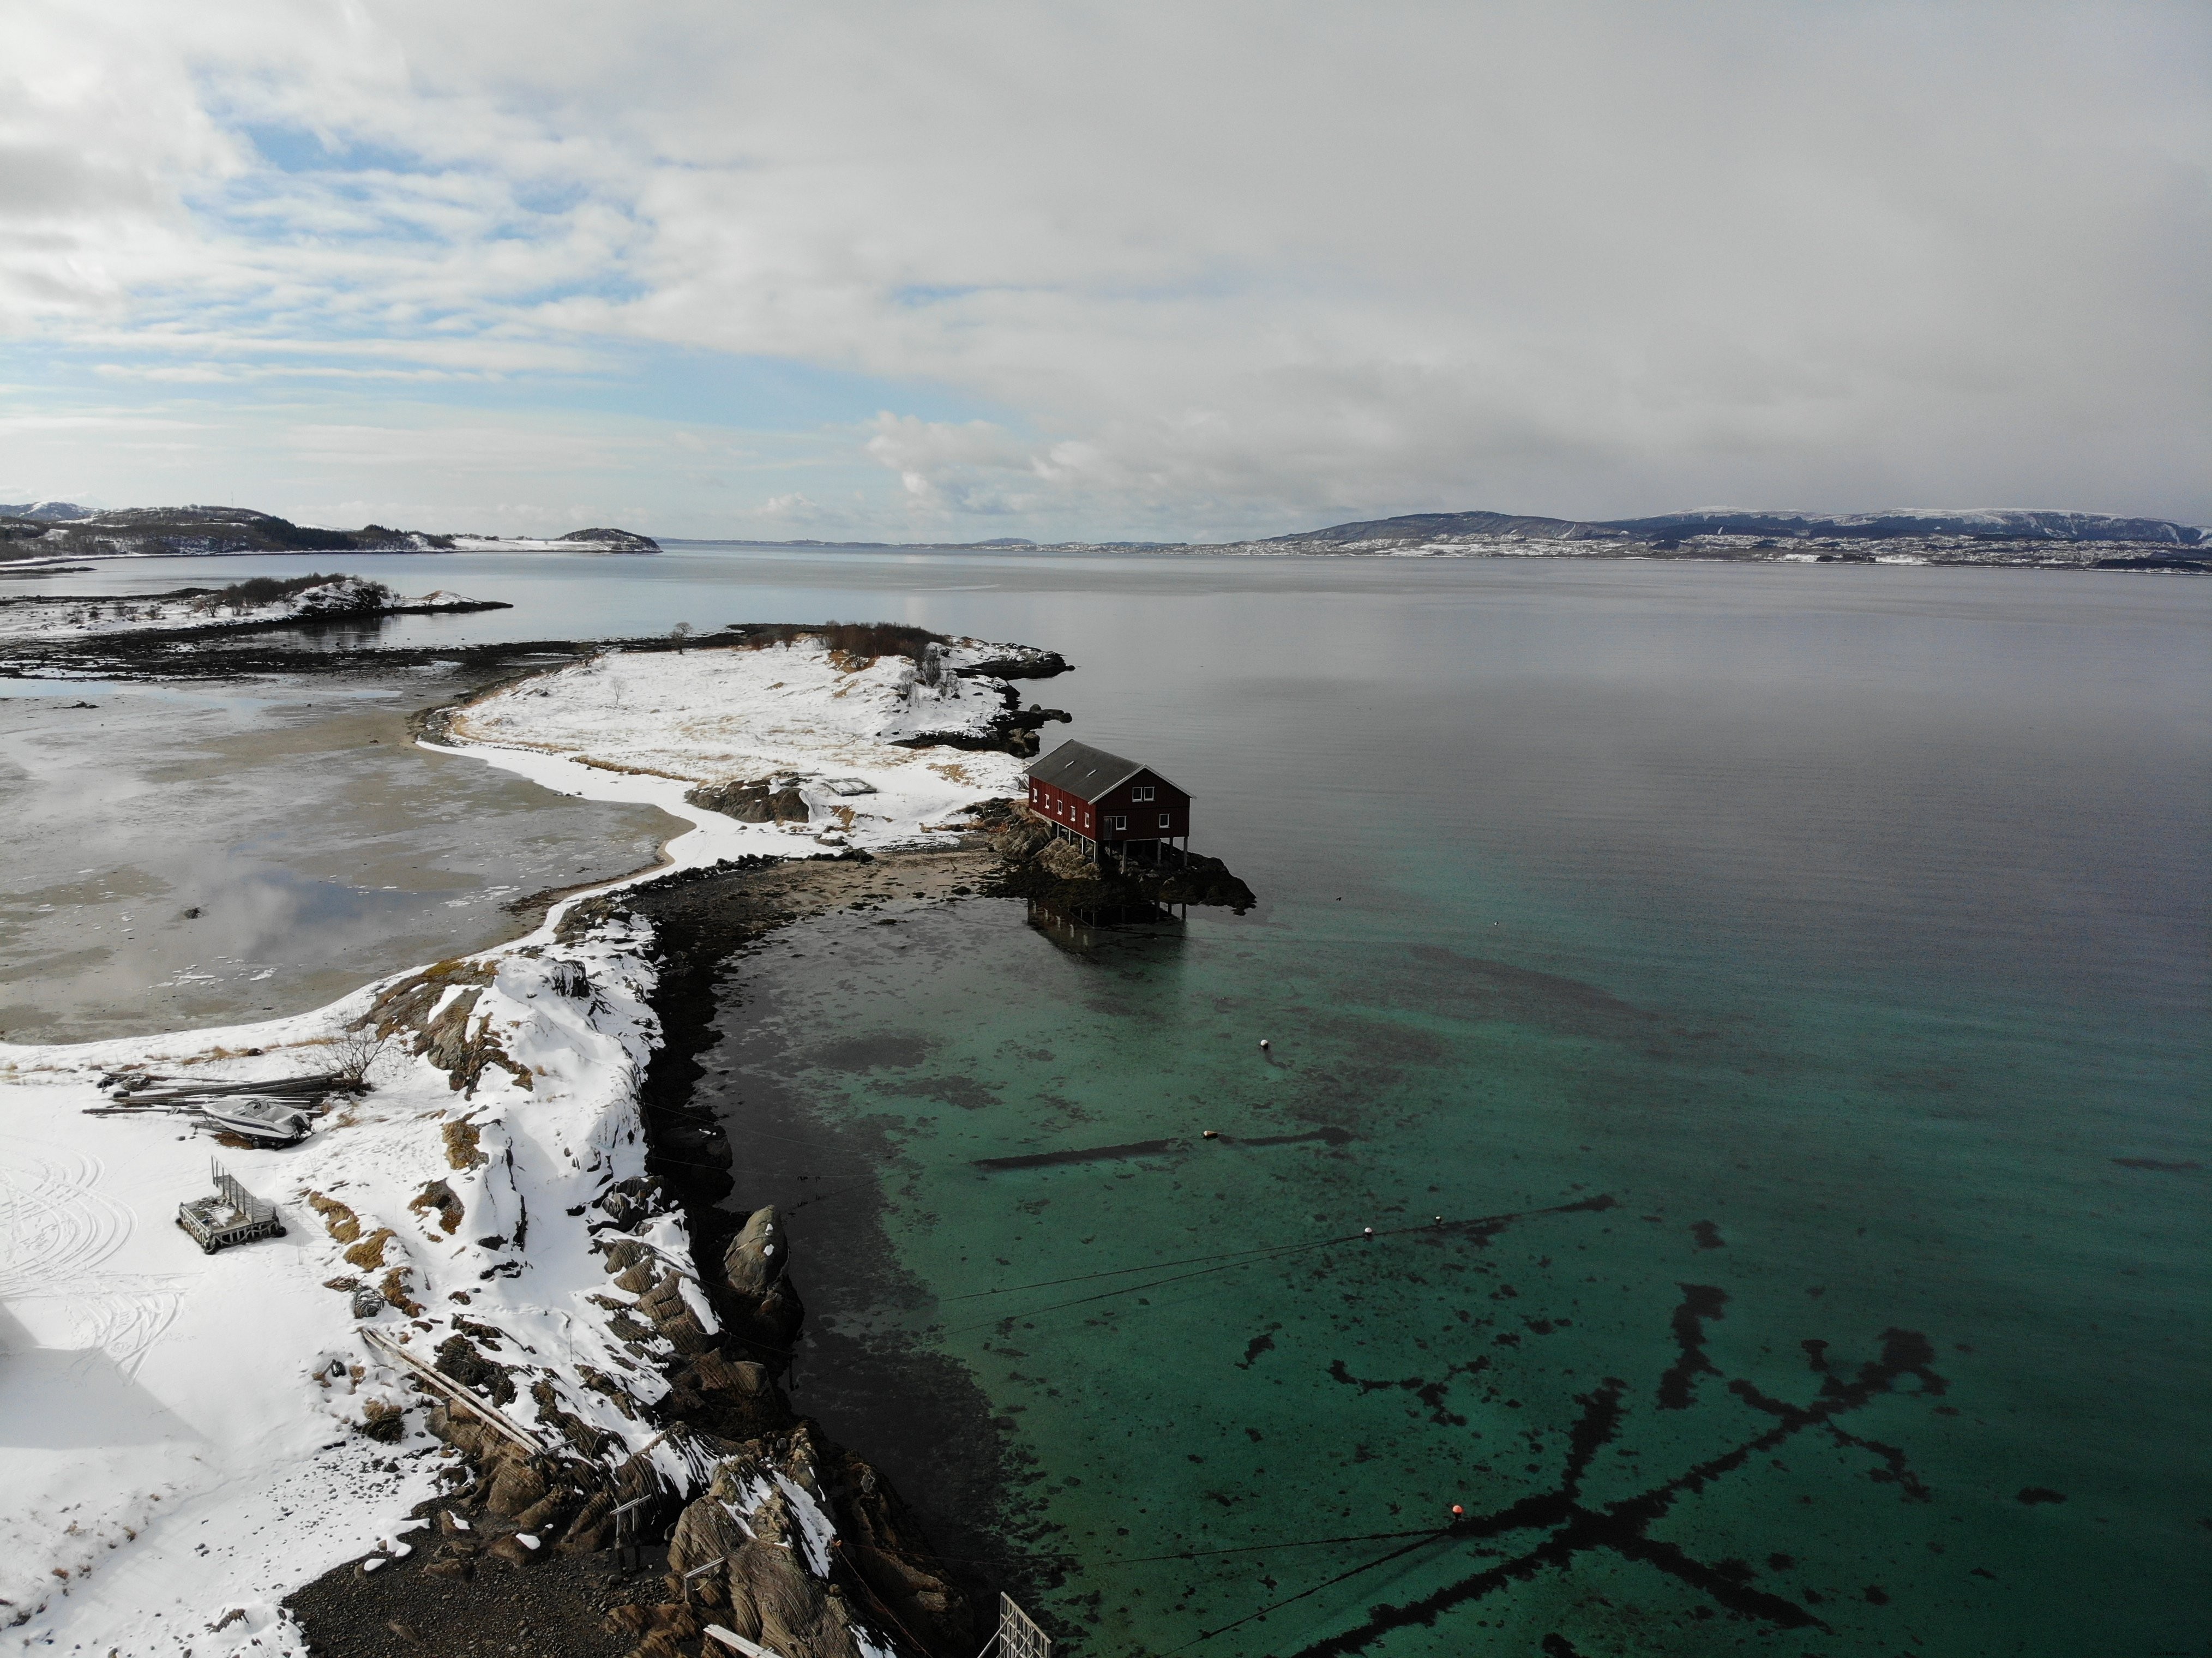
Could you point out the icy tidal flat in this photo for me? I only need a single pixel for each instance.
(199, 854)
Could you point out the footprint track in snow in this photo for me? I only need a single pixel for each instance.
(56, 1231)
(54, 1227)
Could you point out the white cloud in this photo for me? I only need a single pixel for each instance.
(1223, 269)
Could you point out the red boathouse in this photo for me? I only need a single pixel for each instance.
(1105, 804)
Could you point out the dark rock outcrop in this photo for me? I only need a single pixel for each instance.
(759, 801)
(787, 1583)
(767, 1307)
(441, 1029)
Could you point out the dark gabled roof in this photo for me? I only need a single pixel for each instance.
(1086, 773)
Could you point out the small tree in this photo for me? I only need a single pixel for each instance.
(353, 1052)
(680, 633)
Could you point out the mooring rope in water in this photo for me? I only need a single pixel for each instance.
(1131, 1289)
(1150, 1267)
(1422, 1542)
(1233, 1258)
(1086, 1563)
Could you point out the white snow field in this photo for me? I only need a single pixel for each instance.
(52, 618)
(790, 712)
(178, 1431)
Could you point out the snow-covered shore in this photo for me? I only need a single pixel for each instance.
(182, 1432)
(45, 619)
(181, 1435)
(792, 714)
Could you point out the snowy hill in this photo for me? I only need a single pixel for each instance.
(1896, 535)
(51, 511)
(2003, 523)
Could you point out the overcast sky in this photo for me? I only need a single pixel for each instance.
(1172, 271)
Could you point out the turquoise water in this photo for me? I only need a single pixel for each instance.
(1845, 937)
(1844, 928)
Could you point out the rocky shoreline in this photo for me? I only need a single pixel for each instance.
(727, 1553)
(793, 1540)
(610, 1469)
(464, 1575)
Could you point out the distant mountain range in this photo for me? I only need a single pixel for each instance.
(41, 532)
(1987, 536)
(46, 531)
(47, 510)
(1987, 524)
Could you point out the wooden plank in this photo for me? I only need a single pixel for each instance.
(454, 1391)
(737, 1642)
(283, 1087)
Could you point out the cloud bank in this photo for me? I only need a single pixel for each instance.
(1104, 270)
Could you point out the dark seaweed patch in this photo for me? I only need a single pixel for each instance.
(1707, 1234)
(892, 1052)
(1700, 1302)
(1430, 1394)
(1622, 1528)
(2033, 1495)
(1262, 1343)
(963, 1091)
(1481, 989)
(2159, 1165)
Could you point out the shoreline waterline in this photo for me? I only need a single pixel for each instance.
(1848, 932)
(709, 842)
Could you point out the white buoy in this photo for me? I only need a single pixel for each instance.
(1265, 1044)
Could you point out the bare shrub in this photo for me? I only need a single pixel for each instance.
(354, 1053)
(865, 640)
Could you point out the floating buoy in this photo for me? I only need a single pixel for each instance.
(1212, 1133)
(1369, 1231)
(1458, 1513)
(1265, 1044)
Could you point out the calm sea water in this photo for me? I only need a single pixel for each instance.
(1844, 928)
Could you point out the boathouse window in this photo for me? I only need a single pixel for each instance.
(1117, 823)
(1165, 822)
(1143, 793)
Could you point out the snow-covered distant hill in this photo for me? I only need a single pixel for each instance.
(2002, 524)
(1899, 536)
(1508, 526)
(49, 531)
(50, 512)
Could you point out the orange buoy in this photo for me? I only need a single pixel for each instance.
(1458, 1513)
